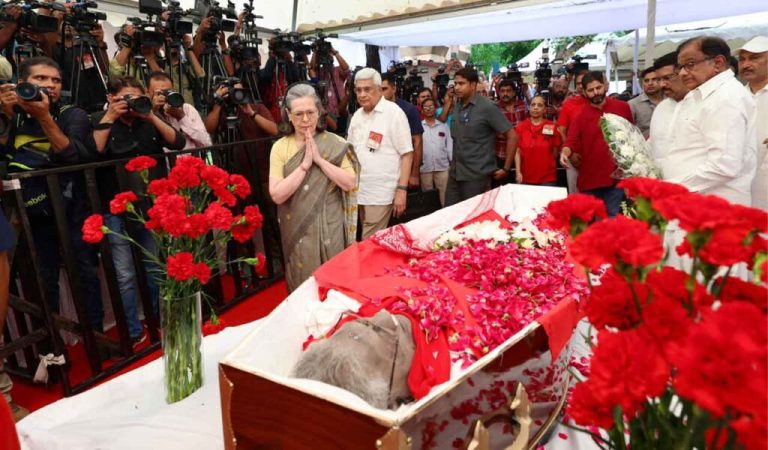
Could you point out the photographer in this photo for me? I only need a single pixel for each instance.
(335, 97)
(389, 91)
(45, 135)
(280, 60)
(91, 93)
(124, 62)
(129, 128)
(183, 118)
(516, 111)
(43, 41)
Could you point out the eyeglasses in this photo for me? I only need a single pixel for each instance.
(690, 65)
(427, 107)
(669, 77)
(300, 115)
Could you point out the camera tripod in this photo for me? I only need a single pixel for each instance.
(213, 66)
(83, 43)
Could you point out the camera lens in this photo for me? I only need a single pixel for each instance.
(174, 99)
(28, 92)
(238, 96)
(141, 105)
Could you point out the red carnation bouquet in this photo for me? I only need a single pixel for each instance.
(190, 217)
(680, 358)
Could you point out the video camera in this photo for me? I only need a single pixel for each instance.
(543, 74)
(235, 95)
(577, 65)
(442, 78)
(143, 36)
(246, 46)
(322, 48)
(29, 18)
(175, 26)
(82, 20)
(222, 19)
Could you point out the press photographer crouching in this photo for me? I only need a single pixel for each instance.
(43, 135)
(170, 105)
(129, 128)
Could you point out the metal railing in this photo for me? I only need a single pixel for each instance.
(37, 327)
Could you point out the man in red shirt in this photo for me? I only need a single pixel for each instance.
(568, 111)
(586, 148)
(516, 111)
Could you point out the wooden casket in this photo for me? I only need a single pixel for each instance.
(509, 398)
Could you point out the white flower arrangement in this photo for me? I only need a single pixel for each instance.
(525, 234)
(629, 148)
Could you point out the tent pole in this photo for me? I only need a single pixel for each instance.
(295, 12)
(636, 65)
(650, 34)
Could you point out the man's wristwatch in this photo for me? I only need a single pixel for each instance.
(103, 126)
(400, 187)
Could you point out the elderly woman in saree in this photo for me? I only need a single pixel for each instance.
(313, 177)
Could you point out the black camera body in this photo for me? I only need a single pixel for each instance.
(323, 49)
(543, 74)
(141, 104)
(442, 78)
(83, 20)
(143, 36)
(577, 66)
(173, 98)
(235, 95)
(30, 92)
(30, 19)
(222, 19)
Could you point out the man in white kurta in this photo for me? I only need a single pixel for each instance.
(753, 68)
(713, 149)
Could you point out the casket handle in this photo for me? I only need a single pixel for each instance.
(395, 439)
(518, 412)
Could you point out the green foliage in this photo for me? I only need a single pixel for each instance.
(483, 56)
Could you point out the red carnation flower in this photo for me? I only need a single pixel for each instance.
(186, 172)
(140, 163)
(612, 304)
(240, 185)
(119, 204)
(696, 212)
(736, 290)
(202, 272)
(213, 325)
(169, 214)
(253, 216)
(215, 177)
(94, 229)
(574, 211)
(241, 232)
(162, 186)
(673, 283)
(218, 217)
(665, 321)
(725, 352)
(650, 188)
(195, 225)
(181, 266)
(617, 240)
(588, 407)
(261, 264)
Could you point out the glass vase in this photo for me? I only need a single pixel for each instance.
(182, 338)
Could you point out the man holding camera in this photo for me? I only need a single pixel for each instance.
(335, 76)
(515, 110)
(182, 116)
(476, 120)
(45, 135)
(129, 128)
(91, 93)
(389, 90)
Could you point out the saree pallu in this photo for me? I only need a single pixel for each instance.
(320, 219)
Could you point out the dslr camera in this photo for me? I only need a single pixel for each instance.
(29, 18)
(235, 95)
(140, 104)
(30, 92)
(172, 98)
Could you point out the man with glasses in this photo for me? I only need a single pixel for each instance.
(643, 105)
(381, 136)
(476, 120)
(674, 91)
(713, 149)
(438, 151)
(753, 67)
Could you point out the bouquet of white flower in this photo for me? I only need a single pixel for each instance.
(629, 148)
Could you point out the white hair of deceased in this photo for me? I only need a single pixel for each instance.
(339, 365)
(368, 74)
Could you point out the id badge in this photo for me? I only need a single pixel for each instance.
(88, 61)
(374, 140)
(548, 130)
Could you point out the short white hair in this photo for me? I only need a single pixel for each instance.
(369, 74)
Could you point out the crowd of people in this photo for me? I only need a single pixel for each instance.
(351, 149)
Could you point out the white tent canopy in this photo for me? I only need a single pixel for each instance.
(525, 19)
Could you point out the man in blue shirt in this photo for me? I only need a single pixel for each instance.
(389, 90)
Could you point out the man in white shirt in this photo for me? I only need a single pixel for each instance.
(184, 118)
(381, 136)
(753, 68)
(713, 147)
(674, 91)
